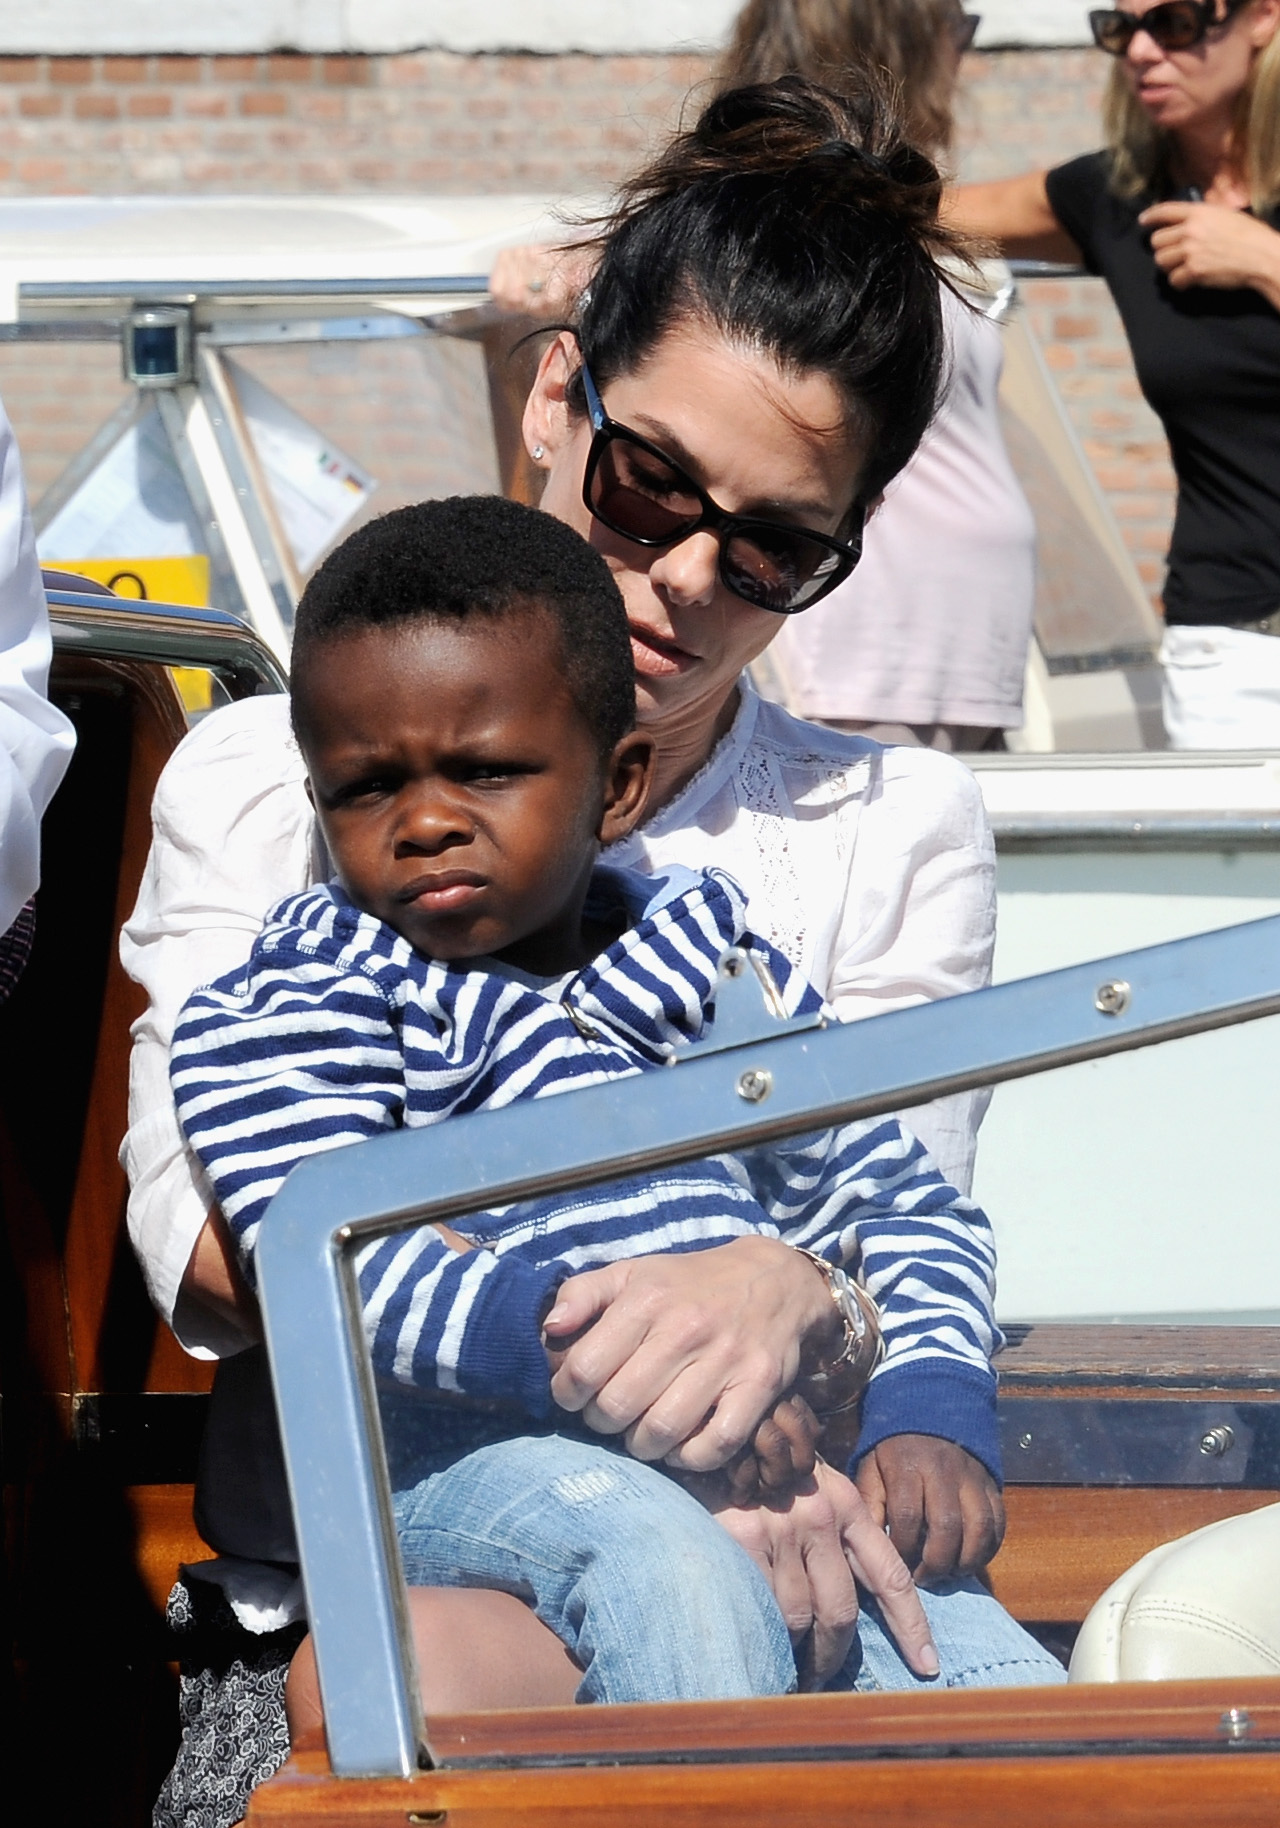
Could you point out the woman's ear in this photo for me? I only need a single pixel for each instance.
(548, 422)
(628, 778)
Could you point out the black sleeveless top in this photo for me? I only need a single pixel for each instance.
(1208, 361)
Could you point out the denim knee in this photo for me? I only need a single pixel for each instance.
(653, 1598)
(979, 1645)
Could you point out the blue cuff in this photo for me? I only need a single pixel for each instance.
(937, 1396)
(502, 1354)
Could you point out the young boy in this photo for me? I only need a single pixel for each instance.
(463, 696)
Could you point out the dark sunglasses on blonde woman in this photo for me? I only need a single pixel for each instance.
(632, 487)
(964, 29)
(1175, 26)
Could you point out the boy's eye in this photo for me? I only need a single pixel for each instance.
(493, 771)
(369, 787)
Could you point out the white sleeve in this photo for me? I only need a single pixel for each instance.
(36, 740)
(232, 832)
(921, 923)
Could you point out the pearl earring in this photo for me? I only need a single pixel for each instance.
(538, 453)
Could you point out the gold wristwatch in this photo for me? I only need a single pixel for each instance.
(846, 1376)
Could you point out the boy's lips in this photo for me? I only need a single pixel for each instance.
(442, 891)
(655, 656)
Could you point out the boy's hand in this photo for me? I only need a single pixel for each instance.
(782, 1453)
(944, 1512)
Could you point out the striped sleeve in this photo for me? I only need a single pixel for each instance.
(869, 1196)
(292, 1056)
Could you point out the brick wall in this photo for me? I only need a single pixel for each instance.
(445, 122)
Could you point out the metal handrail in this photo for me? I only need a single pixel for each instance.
(173, 634)
(705, 1105)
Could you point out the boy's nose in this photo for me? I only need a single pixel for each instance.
(431, 823)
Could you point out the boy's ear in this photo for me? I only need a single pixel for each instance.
(627, 780)
(306, 781)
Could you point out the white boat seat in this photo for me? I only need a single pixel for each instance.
(1207, 1605)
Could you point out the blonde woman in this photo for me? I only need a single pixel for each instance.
(927, 642)
(1179, 215)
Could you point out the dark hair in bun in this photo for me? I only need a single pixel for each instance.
(799, 222)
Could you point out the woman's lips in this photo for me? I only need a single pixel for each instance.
(443, 892)
(655, 657)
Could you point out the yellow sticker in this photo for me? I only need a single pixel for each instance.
(195, 686)
(184, 580)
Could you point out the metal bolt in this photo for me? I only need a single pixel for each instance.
(1112, 999)
(1024, 1441)
(1235, 1724)
(755, 1084)
(1217, 1441)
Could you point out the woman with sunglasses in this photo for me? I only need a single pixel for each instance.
(757, 359)
(927, 641)
(1180, 215)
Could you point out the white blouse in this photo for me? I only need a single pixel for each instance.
(933, 626)
(871, 868)
(36, 740)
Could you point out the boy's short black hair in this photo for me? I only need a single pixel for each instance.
(480, 555)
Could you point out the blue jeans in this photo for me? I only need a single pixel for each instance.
(652, 1597)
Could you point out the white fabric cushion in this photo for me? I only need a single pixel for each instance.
(1206, 1605)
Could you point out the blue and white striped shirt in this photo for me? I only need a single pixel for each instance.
(336, 1030)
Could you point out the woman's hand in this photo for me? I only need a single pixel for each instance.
(1203, 244)
(540, 281)
(810, 1547)
(686, 1354)
(943, 1510)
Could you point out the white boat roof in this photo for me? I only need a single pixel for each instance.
(63, 257)
(1137, 794)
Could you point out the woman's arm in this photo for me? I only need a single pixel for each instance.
(35, 738)
(232, 832)
(1202, 244)
(1016, 214)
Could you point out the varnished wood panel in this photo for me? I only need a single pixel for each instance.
(94, 1232)
(1226, 1791)
(165, 1536)
(1065, 1545)
(1144, 1359)
(810, 1760)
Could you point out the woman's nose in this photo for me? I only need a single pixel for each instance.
(689, 571)
(1143, 50)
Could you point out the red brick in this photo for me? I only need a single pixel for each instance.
(348, 72)
(21, 69)
(125, 69)
(44, 174)
(1074, 329)
(149, 106)
(263, 103)
(96, 107)
(235, 69)
(316, 105)
(39, 107)
(179, 69)
(71, 70)
(205, 104)
(291, 68)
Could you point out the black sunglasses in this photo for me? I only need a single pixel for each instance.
(1175, 26)
(633, 488)
(964, 29)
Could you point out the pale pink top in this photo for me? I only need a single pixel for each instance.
(934, 624)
